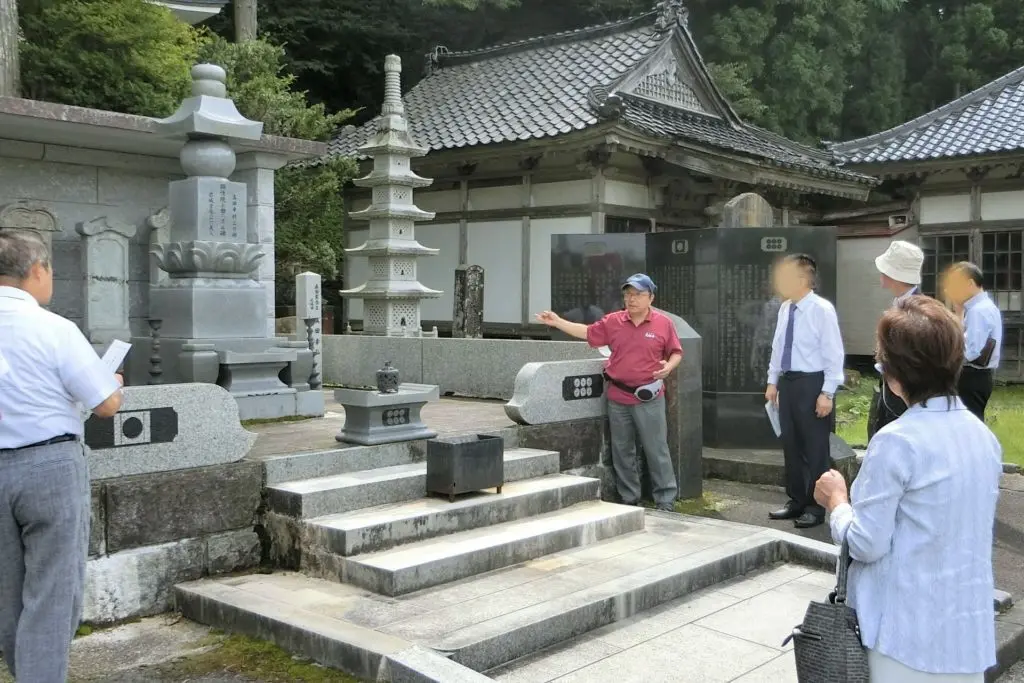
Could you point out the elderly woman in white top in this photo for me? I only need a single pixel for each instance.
(924, 503)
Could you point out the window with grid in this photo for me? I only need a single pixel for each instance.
(940, 252)
(614, 224)
(1002, 254)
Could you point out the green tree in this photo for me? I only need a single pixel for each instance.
(124, 55)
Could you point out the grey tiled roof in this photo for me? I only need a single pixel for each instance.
(519, 91)
(554, 85)
(989, 120)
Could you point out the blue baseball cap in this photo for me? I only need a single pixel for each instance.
(640, 282)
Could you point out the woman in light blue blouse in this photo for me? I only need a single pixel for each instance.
(924, 503)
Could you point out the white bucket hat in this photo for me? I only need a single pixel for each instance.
(902, 261)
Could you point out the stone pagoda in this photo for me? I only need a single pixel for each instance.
(391, 297)
(211, 310)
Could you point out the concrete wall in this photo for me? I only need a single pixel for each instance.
(476, 368)
(860, 299)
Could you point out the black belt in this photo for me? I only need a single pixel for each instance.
(796, 374)
(975, 368)
(63, 438)
(625, 387)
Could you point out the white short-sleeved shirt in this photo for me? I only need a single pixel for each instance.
(52, 371)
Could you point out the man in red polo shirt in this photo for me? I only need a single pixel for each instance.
(645, 350)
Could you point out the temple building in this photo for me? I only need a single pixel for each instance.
(612, 128)
(951, 179)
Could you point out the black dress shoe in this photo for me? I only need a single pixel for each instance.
(790, 511)
(808, 520)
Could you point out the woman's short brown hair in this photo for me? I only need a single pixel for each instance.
(921, 346)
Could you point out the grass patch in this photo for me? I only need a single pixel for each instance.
(708, 505)
(275, 420)
(261, 661)
(1004, 416)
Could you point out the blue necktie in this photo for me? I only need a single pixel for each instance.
(787, 346)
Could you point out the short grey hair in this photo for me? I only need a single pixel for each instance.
(19, 251)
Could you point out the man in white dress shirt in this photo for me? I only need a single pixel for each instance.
(900, 273)
(983, 334)
(805, 369)
(50, 372)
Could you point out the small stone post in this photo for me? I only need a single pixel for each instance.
(309, 309)
(468, 316)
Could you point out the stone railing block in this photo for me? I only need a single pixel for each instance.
(557, 391)
(167, 427)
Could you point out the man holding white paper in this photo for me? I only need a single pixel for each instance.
(805, 370)
(51, 369)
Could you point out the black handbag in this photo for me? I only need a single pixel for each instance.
(827, 644)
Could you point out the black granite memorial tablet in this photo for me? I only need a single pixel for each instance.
(719, 281)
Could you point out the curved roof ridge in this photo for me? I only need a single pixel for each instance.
(587, 32)
(955, 106)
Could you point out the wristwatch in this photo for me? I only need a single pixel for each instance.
(828, 395)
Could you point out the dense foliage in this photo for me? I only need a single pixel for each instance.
(125, 55)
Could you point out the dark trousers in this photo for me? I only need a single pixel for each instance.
(975, 389)
(885, 408)
(805, 444)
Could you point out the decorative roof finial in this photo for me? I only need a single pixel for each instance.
(670, 13)
(393, 86)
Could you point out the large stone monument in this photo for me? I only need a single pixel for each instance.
(211, 306)
(719, 280)
(391, 297)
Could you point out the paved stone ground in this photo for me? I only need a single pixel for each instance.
(447, 416)
(728, 633)
(750, 504)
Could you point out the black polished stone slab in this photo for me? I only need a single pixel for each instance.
(587, 272)
(719, 281)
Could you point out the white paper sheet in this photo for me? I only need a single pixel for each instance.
(773, 417)
(116, 353)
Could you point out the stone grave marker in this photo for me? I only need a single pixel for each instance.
(309, 310)
(468, 316)
(748, 210)
(558, 391)
(30, 217)
(105, 260)
(719, 280)
(164, 428)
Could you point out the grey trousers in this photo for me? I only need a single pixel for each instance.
(647, 420)
(44, 536)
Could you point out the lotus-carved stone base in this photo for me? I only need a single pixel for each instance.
(197, 258)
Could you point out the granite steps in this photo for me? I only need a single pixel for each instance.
(360, 489)
(493, 618)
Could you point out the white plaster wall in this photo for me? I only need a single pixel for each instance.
(559, 194)
(438, 201)
(438, 272)
(625, 193)
(488, 198)
(1001, 206)
(497, 247)
(541, 231)
(860, 297)
(949, 208)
